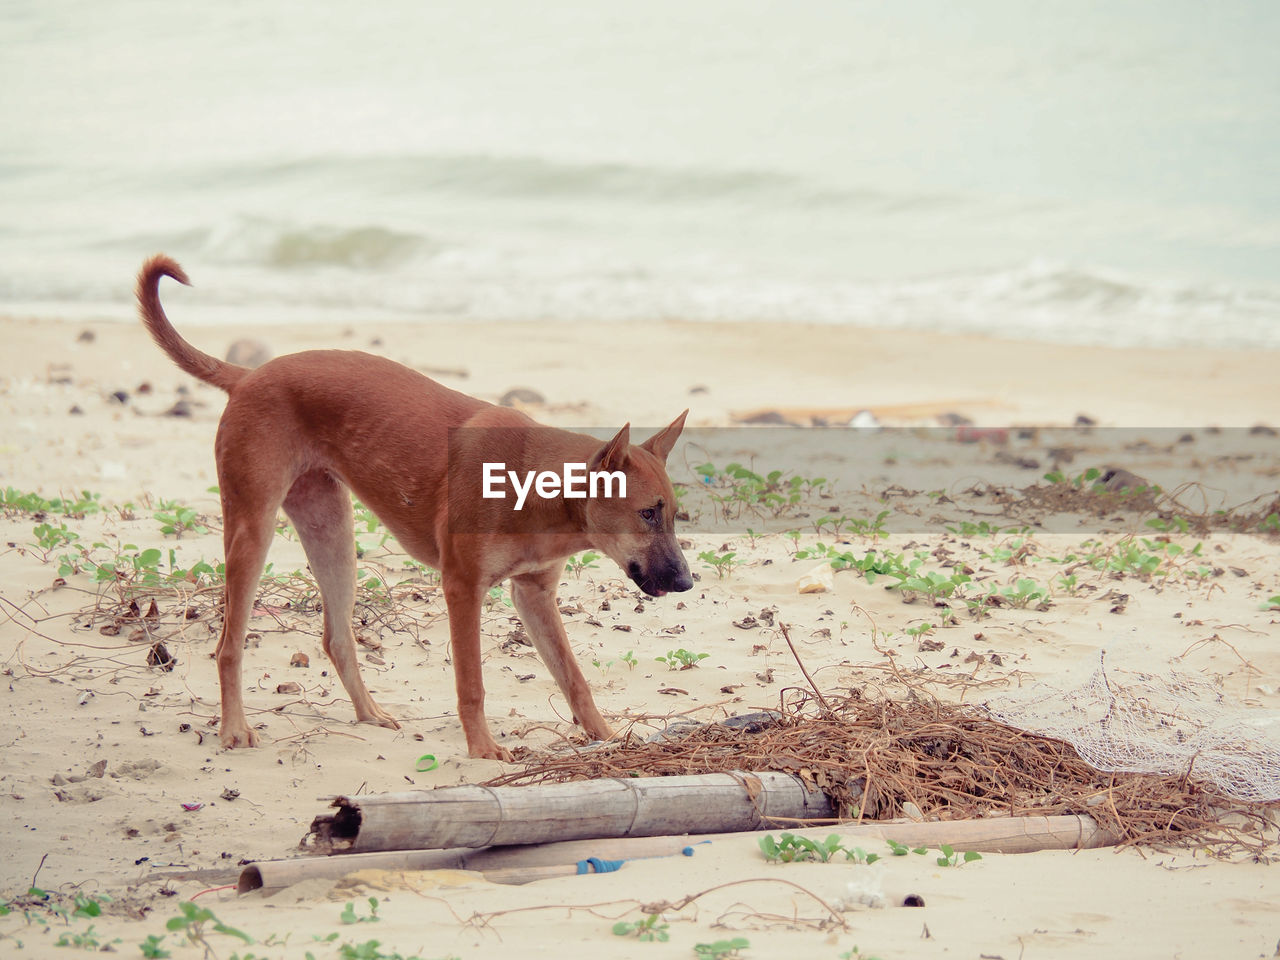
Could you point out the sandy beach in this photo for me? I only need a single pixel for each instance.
(113, 781)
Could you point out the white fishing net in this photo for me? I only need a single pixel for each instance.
(1175, 724)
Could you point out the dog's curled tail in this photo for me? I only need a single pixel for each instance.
(195, 362)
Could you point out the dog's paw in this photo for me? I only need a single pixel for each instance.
(375, 714)
(601, 731)
(490, 751)
(235, 735)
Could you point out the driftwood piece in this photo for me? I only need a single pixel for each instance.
(523, 864)
(475, 816)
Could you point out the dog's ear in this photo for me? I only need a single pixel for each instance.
(613, 454)
(660, 443)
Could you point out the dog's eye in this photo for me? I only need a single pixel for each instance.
(649, 514)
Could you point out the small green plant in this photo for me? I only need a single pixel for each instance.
(648, 930)
(919, 630)
(681, 659)
(951, 858)
(858, 855)
(855, 526)
(175, 520)
(88, 907)
(1010, 552)
(901, 849)
(1273, 603)
(192, 919)
(369, 950)
(721, 563)
(629, 658)
(1024, 593)
(737, 488)
(129, 564)
(1172, 525)
(349, 914)
(1129, 557)
(790, 848)
(13, 500)
(932, 584)
(366, 521)
(587, 561)
(1089, 478)
(49, 538)
(153, 948)
(370, 583)
(84, 940)
(966, 528)
(721, 949)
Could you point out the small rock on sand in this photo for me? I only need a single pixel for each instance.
(521, 395)
(817, 580)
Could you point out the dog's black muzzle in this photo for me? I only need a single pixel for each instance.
(671, 577)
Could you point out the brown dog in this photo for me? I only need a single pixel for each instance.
(300, 430)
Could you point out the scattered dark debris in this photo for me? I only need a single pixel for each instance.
(159, 656)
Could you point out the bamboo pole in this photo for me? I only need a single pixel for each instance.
(475, 816)
(522, 864)
(519, 864)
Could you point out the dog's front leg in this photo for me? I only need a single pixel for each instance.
(464, 599)
(534, 595)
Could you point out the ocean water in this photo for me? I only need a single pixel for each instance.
(1066, 170)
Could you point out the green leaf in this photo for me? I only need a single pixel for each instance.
(232, 932)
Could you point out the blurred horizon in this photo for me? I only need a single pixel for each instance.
(1085, 172)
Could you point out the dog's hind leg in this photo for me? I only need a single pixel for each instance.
(320, 508)
(534, 596)
(248, 526)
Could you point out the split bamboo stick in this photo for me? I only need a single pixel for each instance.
(475, 816)
(522, 864)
